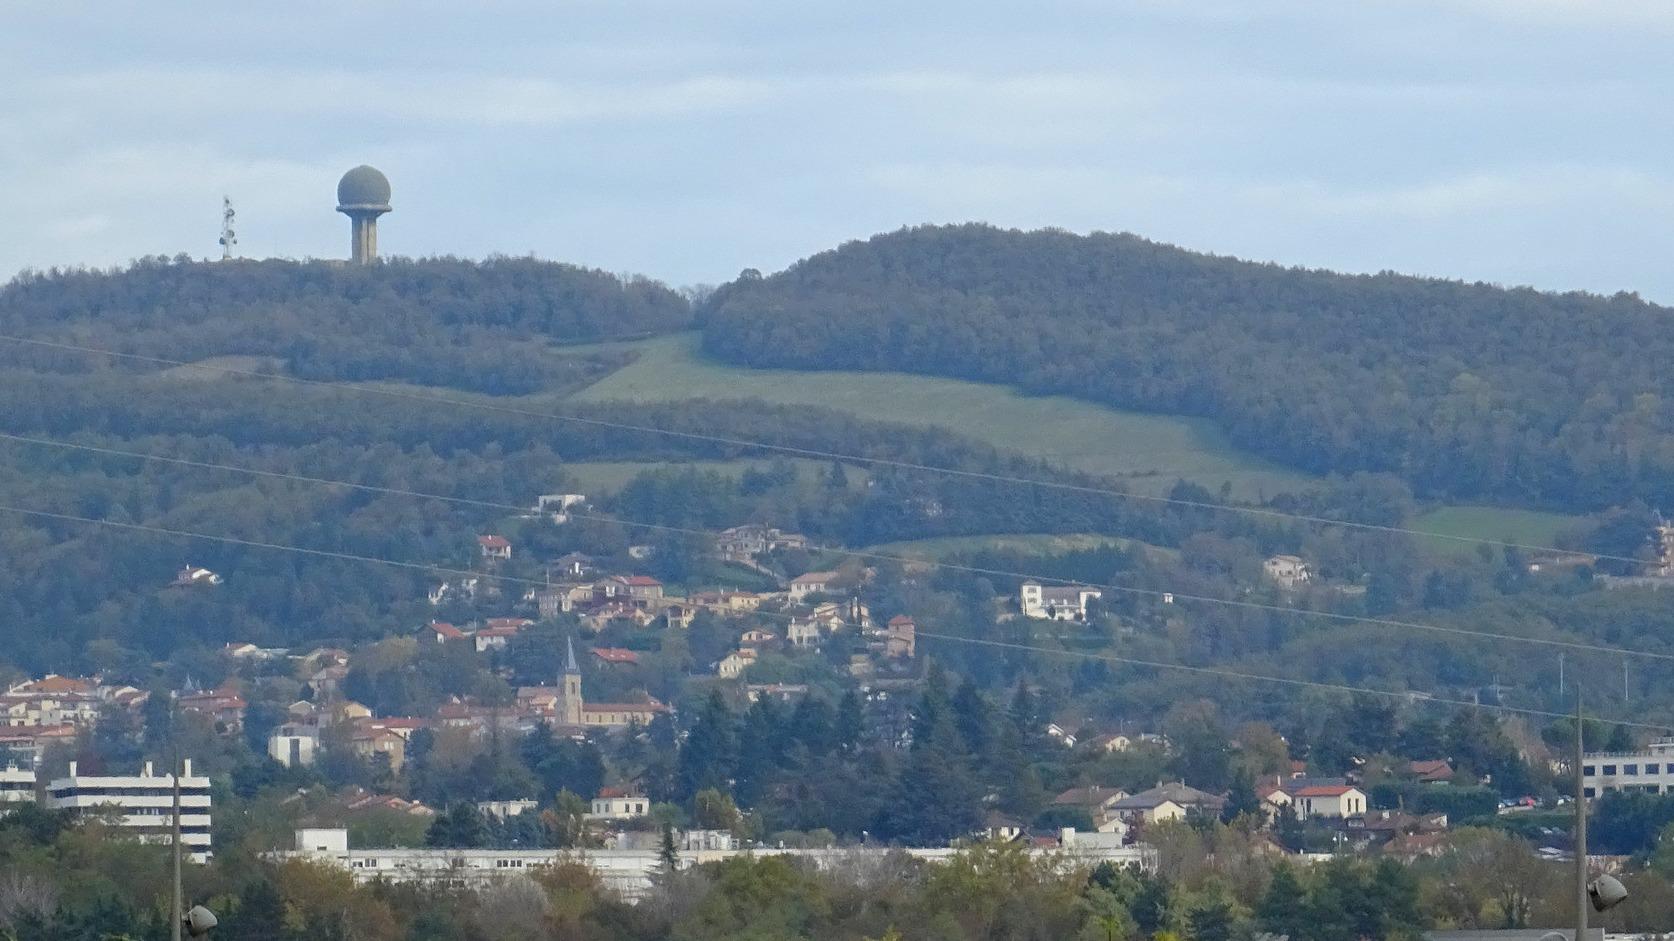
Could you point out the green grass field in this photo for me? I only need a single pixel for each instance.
(609, 476)
(1149, 451)
(1044, 543)
(1526, 527)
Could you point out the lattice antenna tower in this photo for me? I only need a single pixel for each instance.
(229, 238)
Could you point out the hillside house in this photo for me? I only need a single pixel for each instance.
(803, 632)
(1110, 743)
(900, 638)
(1099, 802)
(222, 706)
(755, 637)
(1056, 603)
(494, 548)
(460, 589)
(734, 664)
(679, 614)
(193, 576)
(1287, 571)
(618, 804)
(616, 656)
(1171, 801)
(1329, 800)
(371, 743)
(492, 638)
(558, 505)
(728, 602)
(294, 746)
(1438, 771)
(440, 632)
(641, 590)
(573, 565)
(744, 543)
(811, 583)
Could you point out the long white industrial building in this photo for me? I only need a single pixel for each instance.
(629, 872)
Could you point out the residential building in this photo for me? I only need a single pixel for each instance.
(617, 804)
(1287, 571)
(559, 504)
(16, 786)
(1111, 743)
(755, 636)
(900, 638)
(140, 804)
(679, 614)
(193, 576)
(1170, 801)
(1329, 800)
(1439, 771)
(811, 583)
(293, 745)
(1100, 803)
(1054, 602)
(744, 543)
(441, 632)
(642, 590)
(727, 602)
(803, 632)
(734, 664)
(572, 565)
(459, 589)
(1645, 772)
(783, 692)
(507, 809)
(616, 656)
(223, 706)
(371, 742)
(490, 638)
(494, 548)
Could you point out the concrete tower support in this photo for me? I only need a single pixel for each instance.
(363, 196)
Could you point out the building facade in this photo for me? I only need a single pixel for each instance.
(1647, 772)
(141, 804)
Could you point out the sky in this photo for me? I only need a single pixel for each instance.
(1510, 141)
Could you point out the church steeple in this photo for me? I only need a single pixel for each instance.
(569, 688)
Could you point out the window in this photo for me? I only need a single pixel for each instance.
(1652, 768)
(1587, 770)
(1630, 769)
(1588, 792)
(1609, 769)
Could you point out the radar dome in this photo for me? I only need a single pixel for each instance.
(363, 187)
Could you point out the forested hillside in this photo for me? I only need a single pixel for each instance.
(440, 322)
(1461, 389)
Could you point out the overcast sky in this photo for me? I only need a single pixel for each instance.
(1517, 141)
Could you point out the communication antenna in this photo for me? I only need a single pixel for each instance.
(229, 238)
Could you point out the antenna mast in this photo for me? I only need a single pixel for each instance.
(228, 237)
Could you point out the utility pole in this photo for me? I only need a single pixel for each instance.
(177, 913)
(1580, 826)
(1560, 673)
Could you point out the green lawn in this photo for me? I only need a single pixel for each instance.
(1150, 451)
(1527, 527)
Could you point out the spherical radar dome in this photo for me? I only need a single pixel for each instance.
(363, 186)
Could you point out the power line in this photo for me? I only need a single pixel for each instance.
(820, 454)
(1174, 596)
(1159, 665)
(1266, 678)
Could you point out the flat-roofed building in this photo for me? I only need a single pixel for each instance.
(16, 786)
(141, 804)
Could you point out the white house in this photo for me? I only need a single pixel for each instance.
(735, 663)
(1066, 603)
(614, 804)
(811, 583)
(294, 745)
(1287, 571)
(1329, 800)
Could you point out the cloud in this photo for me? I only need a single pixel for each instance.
(136, 94)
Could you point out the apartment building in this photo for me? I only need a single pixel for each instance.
(141, 804)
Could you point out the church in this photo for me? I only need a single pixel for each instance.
(573, 710)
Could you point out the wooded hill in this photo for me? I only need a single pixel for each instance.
(1464, 390)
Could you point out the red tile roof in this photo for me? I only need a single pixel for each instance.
(493, 542)
(615, 655)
